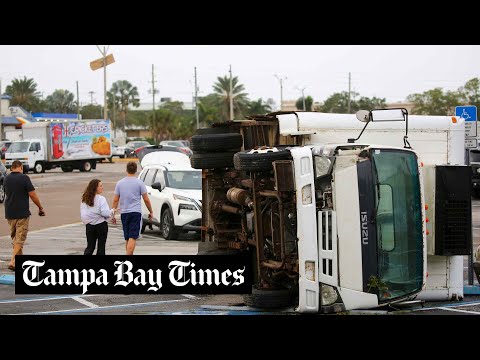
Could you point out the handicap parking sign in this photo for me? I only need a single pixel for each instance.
(469, 113)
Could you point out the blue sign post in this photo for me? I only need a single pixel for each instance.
(469, 113)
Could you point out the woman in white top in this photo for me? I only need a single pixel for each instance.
(95, 212)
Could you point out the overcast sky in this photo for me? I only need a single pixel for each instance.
(388, 71)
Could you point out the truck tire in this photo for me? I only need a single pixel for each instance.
(261, 161)
(2, 193)
(39, 167)
(67, 168)
(212, 160)
(216, 142)
(268, 298)
(167, 226)
(85, 166)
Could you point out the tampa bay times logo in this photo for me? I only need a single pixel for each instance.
(59, 274)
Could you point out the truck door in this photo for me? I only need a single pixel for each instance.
(36, 153)
(306, 230)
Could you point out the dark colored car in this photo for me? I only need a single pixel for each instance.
(3, 173)
(4, 145)
(144, 150)
(131, 146)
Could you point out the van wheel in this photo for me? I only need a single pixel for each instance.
(167, 227)
(39, 168)
(86, 166)
(2, 193)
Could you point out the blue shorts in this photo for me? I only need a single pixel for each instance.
(131, 223)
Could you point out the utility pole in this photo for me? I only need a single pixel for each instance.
(196, 98)
(303, 97)
(281, 89)
(91, 96)
(349, 83)
(78, 104)
(104, 54)
(231, 95)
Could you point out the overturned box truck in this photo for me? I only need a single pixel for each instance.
(333, 223)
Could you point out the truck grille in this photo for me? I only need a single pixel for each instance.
(327, 247)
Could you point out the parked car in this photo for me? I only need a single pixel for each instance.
(175, 191)
(3, 173)
(4, 145)
(183, 145)
(144, 150)
(131, 146)
(118, 151)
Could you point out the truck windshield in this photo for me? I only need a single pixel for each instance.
(20, 146)
(398, 223)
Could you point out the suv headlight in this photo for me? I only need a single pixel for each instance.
(183, 198)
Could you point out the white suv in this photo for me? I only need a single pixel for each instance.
(175, 191)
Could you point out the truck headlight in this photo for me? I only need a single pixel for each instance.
(328, 294)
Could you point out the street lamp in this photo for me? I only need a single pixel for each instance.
(303, 97)
(281, 89)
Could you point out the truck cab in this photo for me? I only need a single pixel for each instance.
(31, 152)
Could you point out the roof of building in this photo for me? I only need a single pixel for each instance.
(54, 115)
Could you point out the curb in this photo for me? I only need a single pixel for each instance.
(7, 279)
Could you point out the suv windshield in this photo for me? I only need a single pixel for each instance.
(398, 223)
(21, 146)
(188, 180)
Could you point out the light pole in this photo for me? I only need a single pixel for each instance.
(281, 89)
(303, 97)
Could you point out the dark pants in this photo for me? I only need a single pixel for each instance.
(96, 232)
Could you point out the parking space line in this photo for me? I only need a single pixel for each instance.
(459, 310)
(42, 299)
(102, 307)
(470, 303)
(189, 296)
(84, 302)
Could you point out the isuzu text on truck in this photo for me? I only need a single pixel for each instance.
(71, 145)
(329, 226)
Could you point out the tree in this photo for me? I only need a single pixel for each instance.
(336, 103)
(470, 92)
(127, 95)
(365, 103)
(208, 109)
(239, 98)
(308, 103)
(258, 107)
(24, 93)
(61, 101)
(91, 112)
(162, 124)
(434, 102)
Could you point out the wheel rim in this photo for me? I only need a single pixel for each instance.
(166, 224)
(38, 168)
(87, 166)
(2, 193)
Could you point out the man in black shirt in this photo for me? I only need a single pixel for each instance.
(18, 190)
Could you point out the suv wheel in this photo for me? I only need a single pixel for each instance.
(167, 227)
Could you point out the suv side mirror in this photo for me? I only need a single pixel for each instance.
(157, 186)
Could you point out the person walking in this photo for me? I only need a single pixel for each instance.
(129, 191)
(18, 190)
(94, 212)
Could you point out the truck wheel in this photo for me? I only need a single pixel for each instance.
(110, 159)
(212, 160)
(67, 168)
(39, 168)
(268, 298)
(86, 166)
(167, 227)
(259, 159)
(216, 142)
(2, 193)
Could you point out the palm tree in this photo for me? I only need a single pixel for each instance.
(258, 107)
(23, 92)
(61, 101)
(127, 95)
(162, 124)
(222, 90)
